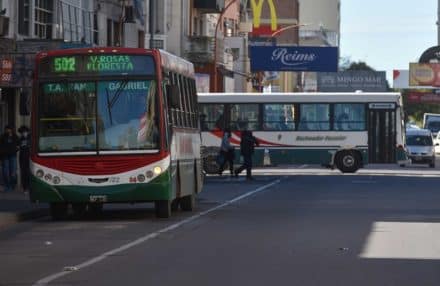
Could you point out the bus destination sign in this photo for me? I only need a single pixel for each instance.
(109, 63)
(98, 65)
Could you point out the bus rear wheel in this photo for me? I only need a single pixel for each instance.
(162, 208)
(348, 161)
(58, 211)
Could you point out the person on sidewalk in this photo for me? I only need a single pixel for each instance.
(8, 151)
(24, 157)
(227, 151)
(247, 147)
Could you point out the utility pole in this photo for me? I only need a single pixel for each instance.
(151, 22)
(438, 23)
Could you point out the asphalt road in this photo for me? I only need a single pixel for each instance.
(300, 227)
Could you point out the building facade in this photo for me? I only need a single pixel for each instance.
(31, 26)
(322, 22)
(321, 26)
(217, 45)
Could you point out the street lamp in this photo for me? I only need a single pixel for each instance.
(215, 41)
(287, 28)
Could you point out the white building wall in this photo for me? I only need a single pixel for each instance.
(240, 62)
(320, 15)
(175, 26)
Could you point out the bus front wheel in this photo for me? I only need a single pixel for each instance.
(347, 161)
(58, 211)
(187, 203)
(162, 208)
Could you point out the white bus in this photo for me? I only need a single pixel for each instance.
(343, 130)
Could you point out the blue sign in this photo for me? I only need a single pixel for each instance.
(281, 58)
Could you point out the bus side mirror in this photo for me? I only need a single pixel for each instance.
(173, 96)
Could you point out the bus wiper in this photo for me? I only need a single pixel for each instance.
(111, 102)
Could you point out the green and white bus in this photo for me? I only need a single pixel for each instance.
(114, 125)
(343, 130)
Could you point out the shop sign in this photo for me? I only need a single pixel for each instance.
(257, 8)
(349, 81)
(294, 58)
(425, 74)
(6, 71)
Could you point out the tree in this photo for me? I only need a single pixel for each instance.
(346, 64)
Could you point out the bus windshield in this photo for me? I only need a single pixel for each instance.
(93, 116)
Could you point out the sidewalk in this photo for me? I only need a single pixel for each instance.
(15, 206)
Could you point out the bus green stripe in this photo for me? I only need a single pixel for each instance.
(158, 189)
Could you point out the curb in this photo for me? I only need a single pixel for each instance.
(9, 218)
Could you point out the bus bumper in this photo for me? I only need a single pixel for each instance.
(159, 188)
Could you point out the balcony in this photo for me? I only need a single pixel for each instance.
(200, 49)
(209, 6)
(319, 37)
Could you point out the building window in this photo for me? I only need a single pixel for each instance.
(109, 33)
(77, 24)
(43, 18)
(23, 17)
(95, 30)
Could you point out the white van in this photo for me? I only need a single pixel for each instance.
(420, 147)
(431, 121)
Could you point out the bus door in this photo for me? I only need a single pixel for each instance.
(382, 132)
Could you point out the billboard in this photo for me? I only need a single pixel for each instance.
(294, 58)
(349, 81)
(423, 97)
(424, 74)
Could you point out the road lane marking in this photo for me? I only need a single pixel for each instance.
(403, 240)
(55, 276)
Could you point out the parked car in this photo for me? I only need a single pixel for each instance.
(420, 147)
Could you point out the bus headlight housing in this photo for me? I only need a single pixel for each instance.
(56, 180)
(141, 178)
(149, 174)
(48, 177)
(157, 170)
(39, 173)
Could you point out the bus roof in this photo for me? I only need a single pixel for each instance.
(175, 63)
(299, 97)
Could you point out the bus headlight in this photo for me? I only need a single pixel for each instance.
(149, 174)
(157, 170)
(56, 180)
(39, 173)
(141, 178)
(48, 177)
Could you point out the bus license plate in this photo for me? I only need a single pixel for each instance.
(98, 198)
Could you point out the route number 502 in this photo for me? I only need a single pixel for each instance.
(64, 64)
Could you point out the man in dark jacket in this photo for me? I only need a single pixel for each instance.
(24, 156)
(247, 147)
(8, 151)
